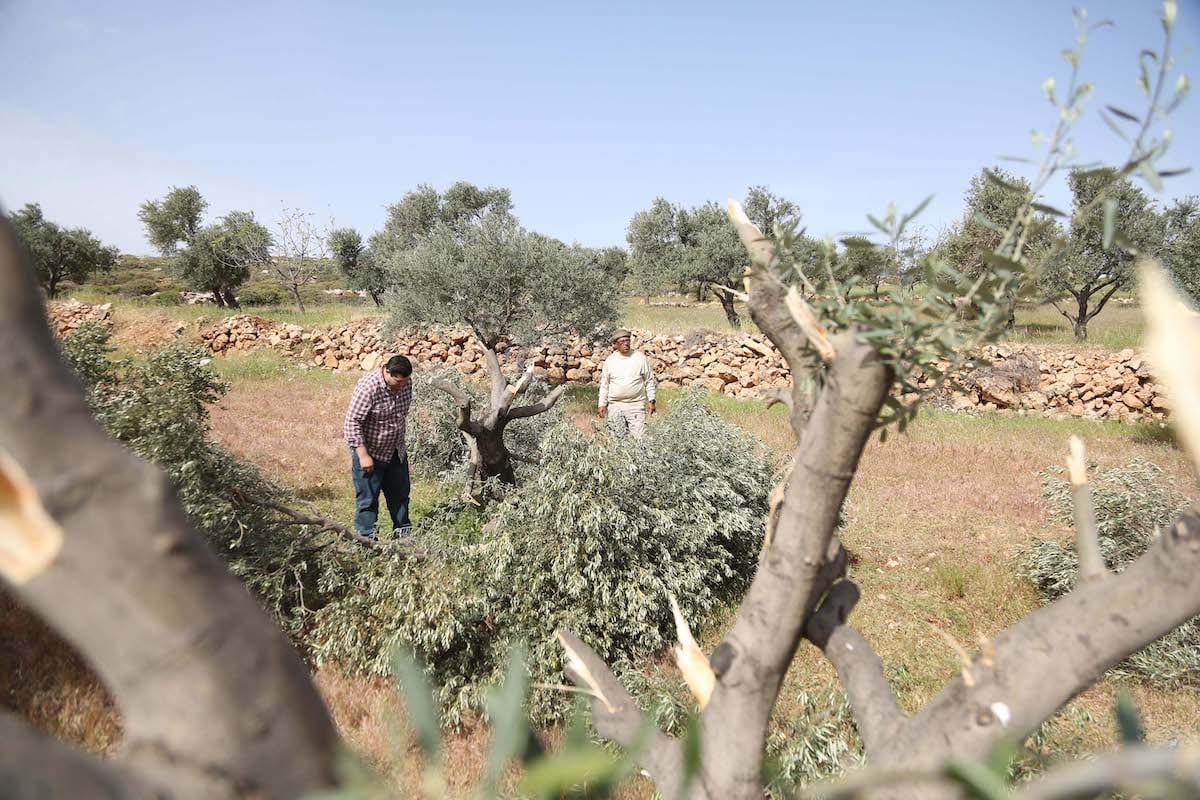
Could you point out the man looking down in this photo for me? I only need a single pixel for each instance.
(626, 388)
(374, 428)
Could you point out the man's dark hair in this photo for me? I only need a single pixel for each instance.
(399, 365)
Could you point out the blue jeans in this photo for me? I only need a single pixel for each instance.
(390, 478)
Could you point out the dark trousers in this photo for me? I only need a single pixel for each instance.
(393, 480)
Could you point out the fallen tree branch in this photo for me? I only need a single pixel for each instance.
(323, 523)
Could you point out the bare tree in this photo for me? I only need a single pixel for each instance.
(301, 252)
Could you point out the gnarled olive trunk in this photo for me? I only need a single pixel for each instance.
(489, 456)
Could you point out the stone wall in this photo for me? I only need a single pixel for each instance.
(1045, 379)
(67, 315)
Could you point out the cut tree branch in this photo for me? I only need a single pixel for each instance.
(533, 409)
(796, 569)
(768, 308)
(1128, 770)
(462, 401)
(323, 523)
(1049, 656)
(1087, 541)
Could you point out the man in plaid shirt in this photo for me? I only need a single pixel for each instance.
(374, 429)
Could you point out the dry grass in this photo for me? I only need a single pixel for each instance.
(44, 681)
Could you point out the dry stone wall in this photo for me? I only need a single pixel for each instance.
(67, 315)
(1035, 378)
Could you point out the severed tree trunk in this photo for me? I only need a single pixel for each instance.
(215, 701)
(489, 456)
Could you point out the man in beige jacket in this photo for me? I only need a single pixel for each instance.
(626, 388)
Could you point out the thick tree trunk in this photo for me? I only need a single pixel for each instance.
(727, 306)
(378, 300)
(491, 457)
(1081, 318)
(218, 296)
(230, 299)
(296, 294)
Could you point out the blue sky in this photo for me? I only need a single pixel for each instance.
(586, 111)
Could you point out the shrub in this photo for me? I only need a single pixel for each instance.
(138, 287)
(594, 538)
(1132, 503)
(262, 293)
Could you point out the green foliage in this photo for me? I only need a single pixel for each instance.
(490, 273)
(867, 262)
(262, 293)
(994, 199)
(595, 537)
(768, 210)
(174, 220)
(1181, 246)
(157, 407)
(60, 254)
(819, 743)
(654, 252)
(1132, 502)
(358, 264)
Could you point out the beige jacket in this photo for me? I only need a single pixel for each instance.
(626, 379)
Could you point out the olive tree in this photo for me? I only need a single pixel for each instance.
(1181, 244)
(993, 199)
(59, 253)
(358, 263)
(654, 248)
(1091, 267)
(477, 266)
(711, 255)
(213, 258)
(870, 263)
(767, 210)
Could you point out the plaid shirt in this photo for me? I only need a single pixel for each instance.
(377, 417)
